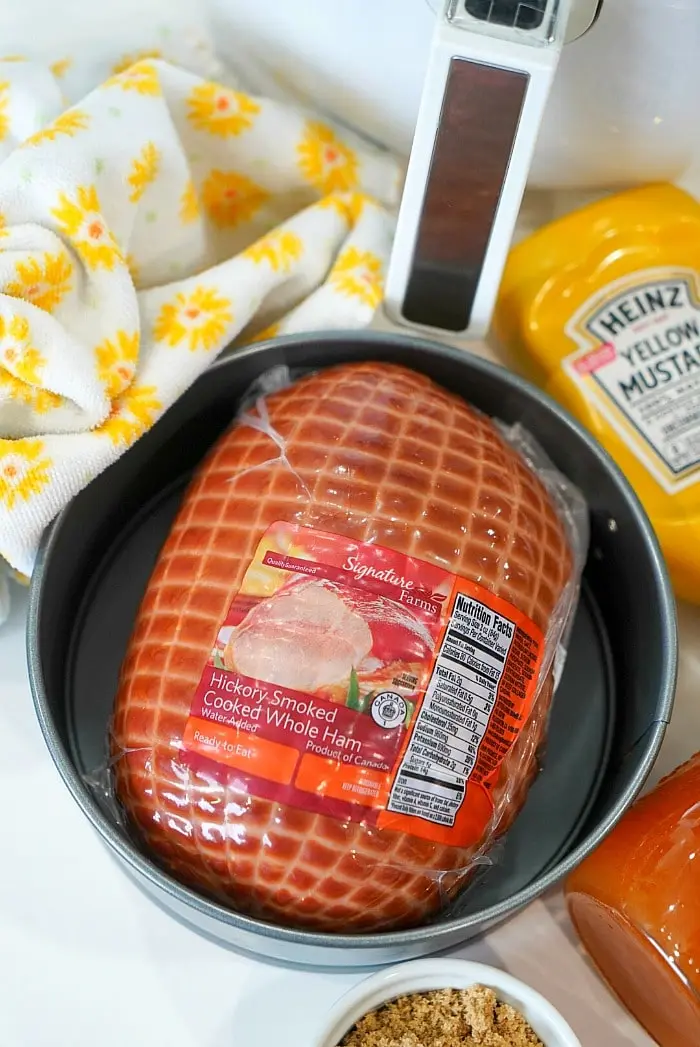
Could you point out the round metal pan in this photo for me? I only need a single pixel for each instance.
(609, 715)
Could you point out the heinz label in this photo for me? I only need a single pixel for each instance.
(638, 361)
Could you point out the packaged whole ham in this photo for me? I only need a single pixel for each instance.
(341, 671)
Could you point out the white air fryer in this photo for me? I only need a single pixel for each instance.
(489, 77)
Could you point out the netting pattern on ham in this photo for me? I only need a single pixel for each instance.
(382, 455)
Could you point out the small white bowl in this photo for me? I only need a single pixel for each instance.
(424, 975)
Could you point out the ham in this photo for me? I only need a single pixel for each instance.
(377, 454)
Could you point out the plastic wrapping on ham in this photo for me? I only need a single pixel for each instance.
(342, 667)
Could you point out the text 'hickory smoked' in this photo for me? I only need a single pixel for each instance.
(338, 678)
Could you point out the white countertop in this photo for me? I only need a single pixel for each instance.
(86, 959)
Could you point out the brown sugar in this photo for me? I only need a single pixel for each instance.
(445, 1018)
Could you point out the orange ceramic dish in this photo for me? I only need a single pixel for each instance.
(635, 903)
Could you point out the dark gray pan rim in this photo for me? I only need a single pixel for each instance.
(390, 343)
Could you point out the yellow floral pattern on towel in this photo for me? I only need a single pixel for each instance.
(4, 106)
(80, 218)
(17, 354)
(144, 170)
(325, 161)
(359, 274)
(280, 250)
(39, 401)
(198, 319)
(42, 280)
(348, 205)
(220, 111)
(189, 204)
(68, 124)
(231, 198)
(116, 361)
(60, 67)
(24, 470)
(142, 78)
(132, 414)
(126, 61)
(159, 220)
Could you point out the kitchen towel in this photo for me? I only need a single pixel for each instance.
(142, 231)
(83, 43)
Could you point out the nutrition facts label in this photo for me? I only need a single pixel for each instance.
(459, 725)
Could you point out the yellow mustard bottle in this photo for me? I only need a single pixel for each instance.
(602, 309)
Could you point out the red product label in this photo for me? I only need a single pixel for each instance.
(360, 683)
(596, 359)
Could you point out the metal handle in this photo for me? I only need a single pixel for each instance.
(484, 96)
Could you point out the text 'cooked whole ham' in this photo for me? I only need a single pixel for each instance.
(341, 669)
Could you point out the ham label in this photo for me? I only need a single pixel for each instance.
(356, 681)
